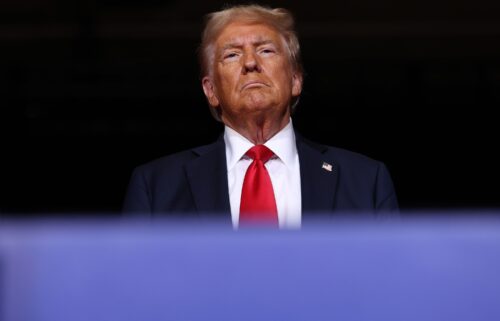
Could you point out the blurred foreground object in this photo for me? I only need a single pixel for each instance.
(432, 269)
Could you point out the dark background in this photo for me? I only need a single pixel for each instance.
(91, 89)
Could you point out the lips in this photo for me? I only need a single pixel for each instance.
(254, 84)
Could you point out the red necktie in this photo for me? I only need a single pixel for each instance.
(258, 204)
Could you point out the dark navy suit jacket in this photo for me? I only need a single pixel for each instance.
(195, 181)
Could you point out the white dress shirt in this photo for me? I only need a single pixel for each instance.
(283, 169)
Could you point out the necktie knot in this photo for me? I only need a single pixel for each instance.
(260, 152)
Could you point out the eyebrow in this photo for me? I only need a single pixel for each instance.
(257, 43)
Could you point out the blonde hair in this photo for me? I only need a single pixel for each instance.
(280, 19)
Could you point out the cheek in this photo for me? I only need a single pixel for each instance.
(228, 80)
(281, 70)
(286, 83)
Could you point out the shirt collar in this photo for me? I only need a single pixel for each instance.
(282, 144)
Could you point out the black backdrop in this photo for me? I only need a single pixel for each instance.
(91, 89)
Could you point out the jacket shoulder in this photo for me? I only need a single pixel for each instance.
(362, 182)
(351, 159)
(342, 157)
(162, 185)
(173, 162)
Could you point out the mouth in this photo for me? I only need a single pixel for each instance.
(254, 84)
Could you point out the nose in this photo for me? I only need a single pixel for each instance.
(250, 63)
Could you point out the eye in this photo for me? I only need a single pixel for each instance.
(230, 56)
(267, 51)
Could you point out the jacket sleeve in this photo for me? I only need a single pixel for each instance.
(137, 198)
(385, 195)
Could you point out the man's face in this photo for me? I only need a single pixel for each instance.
(251, 74)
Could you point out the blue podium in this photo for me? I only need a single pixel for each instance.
(411, 270)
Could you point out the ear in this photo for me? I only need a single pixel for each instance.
(296, 84)
(209, 90)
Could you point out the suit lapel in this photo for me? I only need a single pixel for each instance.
(207, 176)
(318, 175)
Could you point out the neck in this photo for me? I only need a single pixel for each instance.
(258, 131)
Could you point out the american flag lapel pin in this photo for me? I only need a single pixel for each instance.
(327, 167)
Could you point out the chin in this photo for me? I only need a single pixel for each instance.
(257, 100)
(258, 108)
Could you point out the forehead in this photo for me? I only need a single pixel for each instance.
(239, 33)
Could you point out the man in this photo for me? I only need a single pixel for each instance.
(260, 169)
